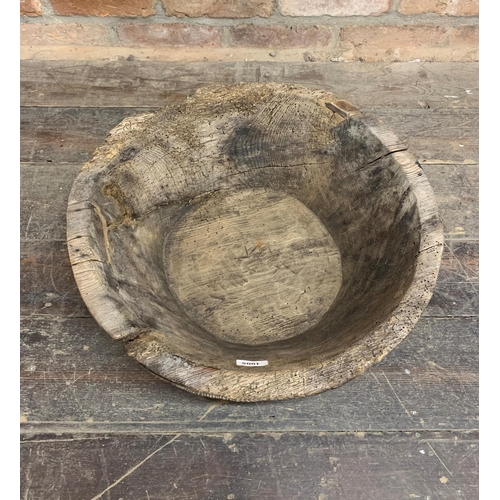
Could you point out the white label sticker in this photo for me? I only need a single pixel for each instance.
(243, 362)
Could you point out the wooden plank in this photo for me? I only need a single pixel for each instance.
(454, 299)
(457, 288)
(45, 190)
(44, 199)
(450, 123)
(141, 83)
(460, 262)
(74, 378)
(352, 466)
(48, 287)
(67, 134)
(72, 134)
(46, 276)
(457, 190)
(435, 150)
(47, 283)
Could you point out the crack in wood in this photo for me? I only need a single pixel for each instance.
(105, 228)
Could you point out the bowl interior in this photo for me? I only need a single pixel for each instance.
(253, 223)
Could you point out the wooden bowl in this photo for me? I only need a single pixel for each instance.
(257, 242)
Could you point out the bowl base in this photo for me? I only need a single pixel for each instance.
(253, 266)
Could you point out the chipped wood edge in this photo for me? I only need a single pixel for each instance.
(86, 255)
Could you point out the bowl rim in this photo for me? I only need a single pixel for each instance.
(242, 384)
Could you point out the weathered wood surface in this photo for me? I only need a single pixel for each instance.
(76, 379)
(460, 261)
(140, 83)
(45, 190)
(352, 466)
(48, 287)
(44, 197)
(55, 134)
(287, 177)
(46, 277)
(47, 283)
(211, 287)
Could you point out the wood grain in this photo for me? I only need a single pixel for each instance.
(457, 187)
(254, 283)
(153, 84)
(273, 466)
(44, 198)
(45, 191)
(55, 134)
(455, 299)
(460, 261)
(47, 283)
(171, 183)
(75, 379)
(46, 278)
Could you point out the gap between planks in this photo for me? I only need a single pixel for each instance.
(137, 428)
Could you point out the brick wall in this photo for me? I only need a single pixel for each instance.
(289, 30)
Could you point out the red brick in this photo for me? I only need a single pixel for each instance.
(249, 35)
(333, 7)
(443, 7)
(169, 35)
(391, 43)
(464, 43)
(405, 43)
(64, 34)
(104, 8)
(30, 8)
(219, 8)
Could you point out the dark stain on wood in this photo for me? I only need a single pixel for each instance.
(55, 134)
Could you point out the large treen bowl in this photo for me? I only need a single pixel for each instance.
(257, 242)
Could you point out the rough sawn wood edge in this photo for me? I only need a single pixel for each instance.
(242, 386)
